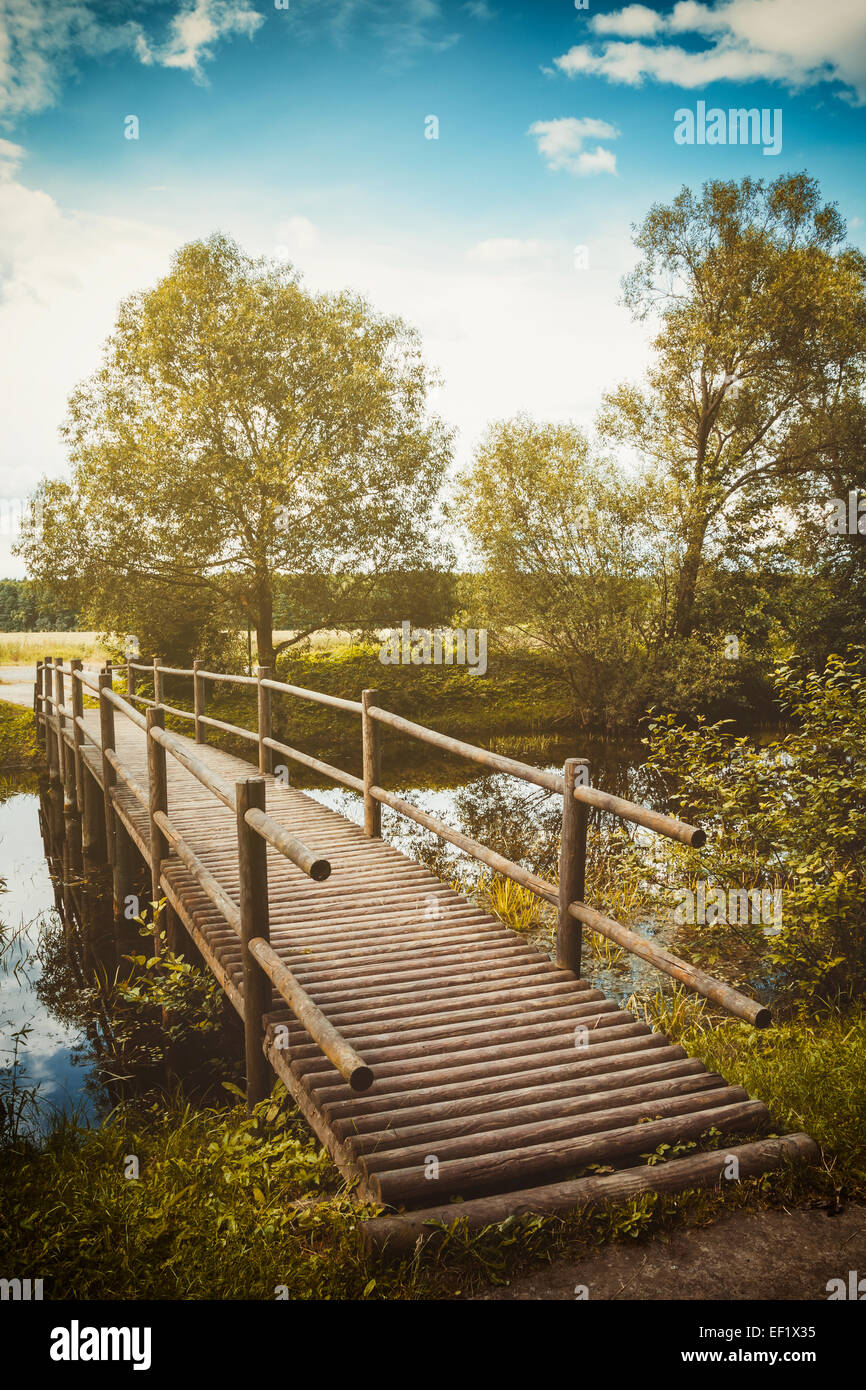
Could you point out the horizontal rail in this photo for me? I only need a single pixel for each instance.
(715, 990)
(495, 861)
(282, 840)
(174, 671)
(344, 1057)
(78, 675)
(288, 845)
(173, 709)
(551, 781)
(82, 725)
(335, 773)
(119, 703)
(690, 835)
(224, 676)
(221, 789)
(228, 728)
(140, 793)
(318, 696)
(203, 875)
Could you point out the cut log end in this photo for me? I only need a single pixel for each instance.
(361, 1079)
(697, 838)
(320, 870)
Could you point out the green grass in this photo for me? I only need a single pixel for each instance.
(26, 648)
(227, 1207)
(19, 750)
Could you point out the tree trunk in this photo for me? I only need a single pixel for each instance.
(687, 581)
(264, 616)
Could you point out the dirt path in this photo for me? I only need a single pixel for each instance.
(747, 1255)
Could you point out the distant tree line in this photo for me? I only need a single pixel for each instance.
(29, 607)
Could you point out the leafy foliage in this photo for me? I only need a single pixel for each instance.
(789, 814)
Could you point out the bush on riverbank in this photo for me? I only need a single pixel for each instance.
(19, 750)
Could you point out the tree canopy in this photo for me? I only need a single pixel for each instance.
(760, 358)
(241, 428)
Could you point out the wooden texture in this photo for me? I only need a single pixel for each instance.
(473, 1047)
(371, 759)
(572, 868)
(254, 924)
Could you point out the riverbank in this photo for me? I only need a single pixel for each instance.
(217, 1205)
(19, 749)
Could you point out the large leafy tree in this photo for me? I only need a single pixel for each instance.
(759, 360)
(241, 428)
(555, 527)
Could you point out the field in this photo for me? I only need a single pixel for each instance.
(25, 648)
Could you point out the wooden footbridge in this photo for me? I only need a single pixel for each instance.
(438, 1056)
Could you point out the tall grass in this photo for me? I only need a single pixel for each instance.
(25, 648)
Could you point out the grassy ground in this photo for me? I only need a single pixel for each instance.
(26, 648)
(19, 750)
(226, 1207)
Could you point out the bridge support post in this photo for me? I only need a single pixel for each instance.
(572, 865)
(77, 735)
(158, 801)
(372, 764)
(198, 701)
(123, 871)
(106, 734)
(59, 723)
(265, 719)
(252, 864)
(157, 681)
(51, 752)
(37, 700)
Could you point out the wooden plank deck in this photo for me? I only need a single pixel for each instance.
(495, 1070)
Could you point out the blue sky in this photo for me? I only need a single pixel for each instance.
(301, 131)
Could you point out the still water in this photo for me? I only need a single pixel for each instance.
(47, 979)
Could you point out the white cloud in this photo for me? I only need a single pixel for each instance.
(796, 43)
(634, 22)
(194, 31)
(506, 250)
(561, 142)
(40, 41)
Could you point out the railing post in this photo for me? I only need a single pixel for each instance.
(198, 698)
(59, 699)
(253, 870)
(106, 735)
(37, 691)
(51, 750)
(157, 680)
(265, 720)
(572, 866)
(157, 801)
(372, 764)
(77, 735)
(130, 678)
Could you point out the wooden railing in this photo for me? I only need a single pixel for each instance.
(256, 829)
(572, 784)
